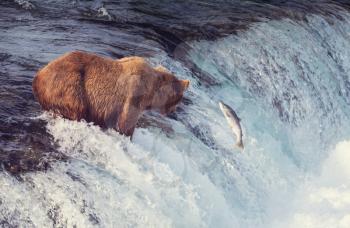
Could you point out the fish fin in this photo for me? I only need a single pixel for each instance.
(240, 145)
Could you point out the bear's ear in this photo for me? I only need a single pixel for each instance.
(162, 69)
(185, 83)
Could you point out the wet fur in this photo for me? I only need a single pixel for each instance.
(110, 93)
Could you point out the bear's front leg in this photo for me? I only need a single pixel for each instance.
(128, 119)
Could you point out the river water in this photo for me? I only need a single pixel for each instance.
(283, 66)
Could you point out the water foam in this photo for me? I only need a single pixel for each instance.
(288, 80)
(294, 72)
(323, 200)
(192, 176)
(25, 4)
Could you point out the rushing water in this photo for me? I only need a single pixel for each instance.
(283, 66)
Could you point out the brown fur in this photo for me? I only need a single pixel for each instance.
(110, 93)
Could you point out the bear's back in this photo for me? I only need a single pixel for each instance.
(135, 65)
(109, 84)
(72, 83)
(80, 85)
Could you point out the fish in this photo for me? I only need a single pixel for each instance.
(234, 122)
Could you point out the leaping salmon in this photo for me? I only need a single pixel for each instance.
(234, 122)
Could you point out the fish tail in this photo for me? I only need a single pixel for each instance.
(240, 145)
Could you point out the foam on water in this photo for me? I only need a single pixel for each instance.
(25, 4)
(134, 168)
(324, 200)
(288, 82)
(294, 72)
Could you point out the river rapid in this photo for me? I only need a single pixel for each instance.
(282, 65)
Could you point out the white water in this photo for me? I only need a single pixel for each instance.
(289, 83)
(322, 201)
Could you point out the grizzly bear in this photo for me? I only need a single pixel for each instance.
(110, 93)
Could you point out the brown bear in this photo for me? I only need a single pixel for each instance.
(110, 93)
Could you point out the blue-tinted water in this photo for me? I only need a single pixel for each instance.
(282, 66)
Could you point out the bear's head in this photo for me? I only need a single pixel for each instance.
(168, 92)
